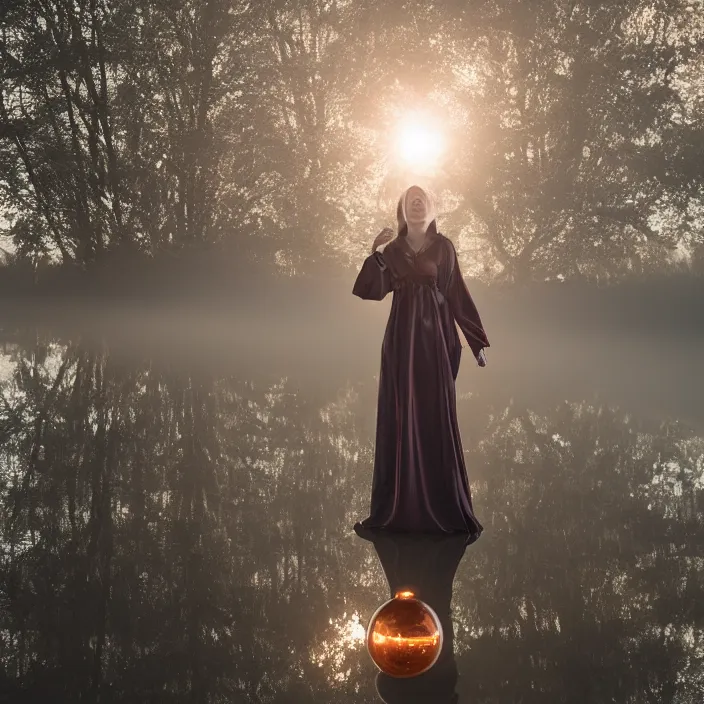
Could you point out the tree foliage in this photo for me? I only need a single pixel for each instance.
(575, 128)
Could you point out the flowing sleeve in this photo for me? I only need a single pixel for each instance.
(463, 308)
(374, 279)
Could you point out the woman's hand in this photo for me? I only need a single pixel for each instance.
(481, 358)
(386, 235)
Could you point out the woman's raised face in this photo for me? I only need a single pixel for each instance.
(416, 209)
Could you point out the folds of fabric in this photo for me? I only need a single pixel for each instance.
(420, 481)
(374, 280)
(463, 308)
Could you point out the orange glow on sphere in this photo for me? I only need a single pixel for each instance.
(404, 637)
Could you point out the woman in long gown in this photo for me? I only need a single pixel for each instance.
(420, 481)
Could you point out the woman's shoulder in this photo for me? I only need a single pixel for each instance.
(393, 244)
(447, 243)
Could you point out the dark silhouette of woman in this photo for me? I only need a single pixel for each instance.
(420, 481)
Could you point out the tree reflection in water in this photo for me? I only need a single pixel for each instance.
(173, 535)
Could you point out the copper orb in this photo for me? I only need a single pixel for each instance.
(404, 637)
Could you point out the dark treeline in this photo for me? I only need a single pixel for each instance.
(132, 129)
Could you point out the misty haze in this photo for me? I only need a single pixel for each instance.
(189, 389)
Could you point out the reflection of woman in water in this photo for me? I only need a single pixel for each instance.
(420, 480)
(426, 565)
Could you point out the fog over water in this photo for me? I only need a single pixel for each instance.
(639, 347)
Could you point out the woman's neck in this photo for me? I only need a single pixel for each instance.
(416, 231)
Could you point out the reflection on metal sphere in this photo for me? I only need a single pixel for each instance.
(404, 637)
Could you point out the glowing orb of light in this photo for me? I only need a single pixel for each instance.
(418, 143)
(404, 637)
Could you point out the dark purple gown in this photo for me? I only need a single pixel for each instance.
(420, 481)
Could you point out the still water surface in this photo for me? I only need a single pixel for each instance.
(175, 530)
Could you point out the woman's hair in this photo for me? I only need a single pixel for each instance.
(402, 227)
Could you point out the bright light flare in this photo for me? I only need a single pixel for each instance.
(419, 144)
